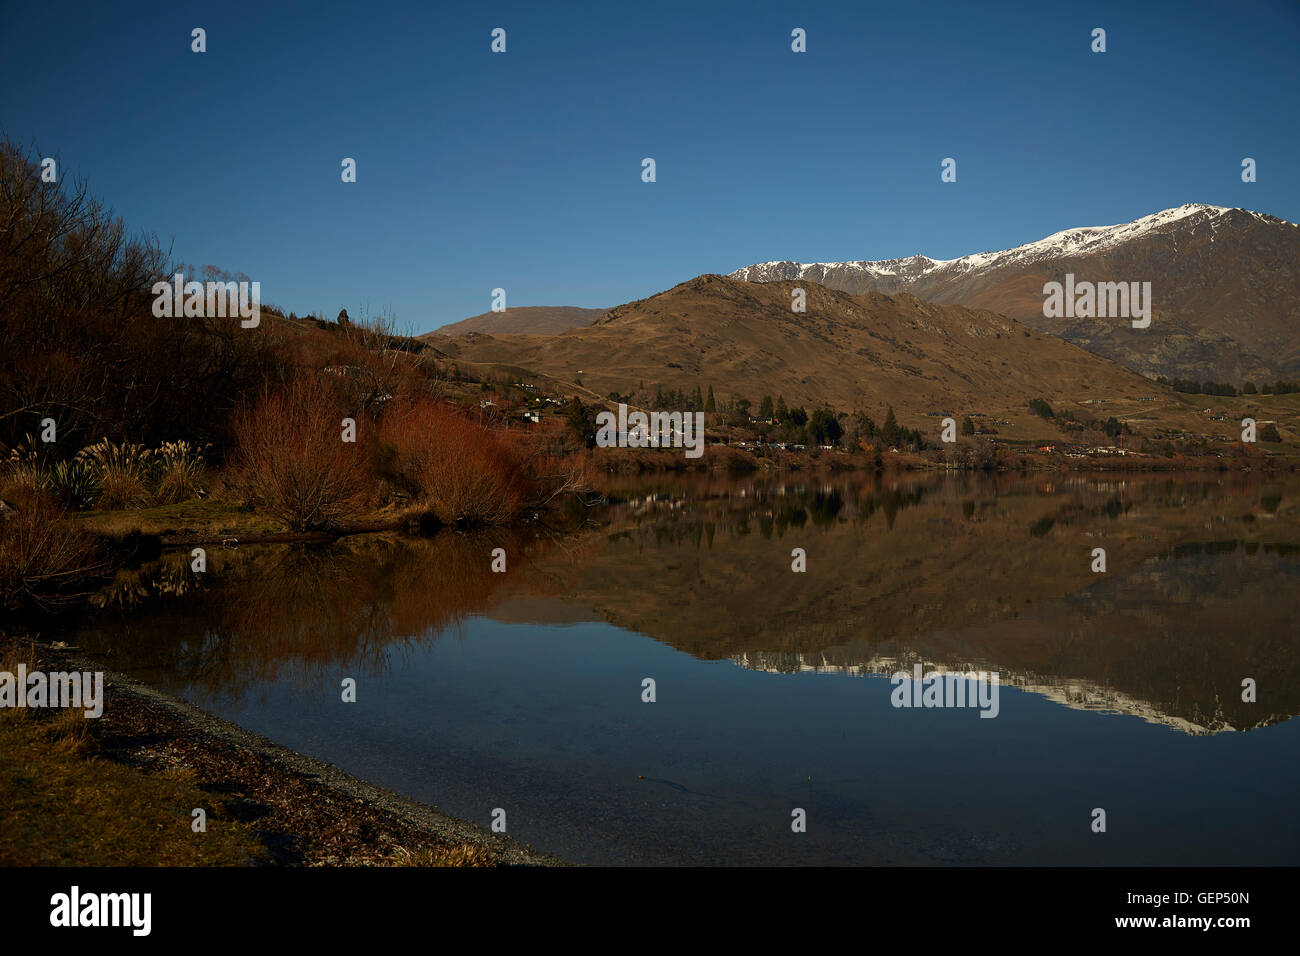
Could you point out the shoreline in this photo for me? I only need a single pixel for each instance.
(306, 811)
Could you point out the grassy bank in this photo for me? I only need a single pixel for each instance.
(66, 804)
(120, 790)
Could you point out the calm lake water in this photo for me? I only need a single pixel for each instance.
(523, 690)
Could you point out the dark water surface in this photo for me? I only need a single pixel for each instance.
(523, 691)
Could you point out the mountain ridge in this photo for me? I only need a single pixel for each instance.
(852, 352)
(1228, 310)
(524, 320)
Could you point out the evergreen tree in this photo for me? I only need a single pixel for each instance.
(866, 427)
(834, 430)
(583, 421)
(889, 431)
(709, 404)
(782, 413)
(817, 426)
(765, 407)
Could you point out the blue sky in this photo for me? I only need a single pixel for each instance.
(522, 170)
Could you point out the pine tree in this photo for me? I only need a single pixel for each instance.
(709, 404)
(889, 431)
(866, 427)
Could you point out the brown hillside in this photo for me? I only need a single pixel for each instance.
(527, 320)
(853, 352)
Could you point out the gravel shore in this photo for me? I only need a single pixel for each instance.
(307, 812)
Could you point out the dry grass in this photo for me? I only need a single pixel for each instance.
(462, 854)
(206, 518)
(23, 481)
(65, 806)
(120, 489)
(181, 472)
(121, 474)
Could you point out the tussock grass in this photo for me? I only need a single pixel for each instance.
(462, 854)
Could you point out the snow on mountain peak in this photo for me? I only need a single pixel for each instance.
(1081, 240)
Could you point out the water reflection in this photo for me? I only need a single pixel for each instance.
(522, 689)
(991, 573)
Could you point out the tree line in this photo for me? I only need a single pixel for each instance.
(1191, 387)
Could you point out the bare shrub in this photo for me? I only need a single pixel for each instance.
(290, 448)
(79, 341)
(44, 558)
(452, 465)
(378, 361)
(555, 462)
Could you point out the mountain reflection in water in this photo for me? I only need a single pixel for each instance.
(956, 573)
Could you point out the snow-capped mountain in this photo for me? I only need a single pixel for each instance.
(1226, 288)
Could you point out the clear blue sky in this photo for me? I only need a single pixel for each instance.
(523, 170)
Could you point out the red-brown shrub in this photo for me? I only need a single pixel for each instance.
(290, 447)
(45, 559)
(453, 466)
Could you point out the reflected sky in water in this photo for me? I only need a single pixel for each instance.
(523, 690)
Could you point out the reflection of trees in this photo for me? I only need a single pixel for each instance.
(896, 558)
(972, 569)
(299, 611)
(947, 566)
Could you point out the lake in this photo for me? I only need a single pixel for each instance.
(476, 690)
